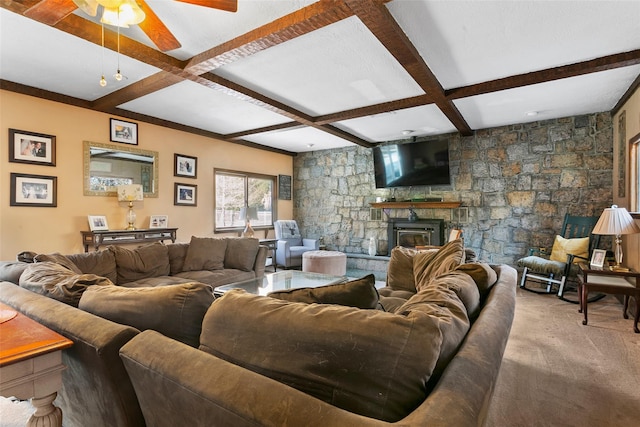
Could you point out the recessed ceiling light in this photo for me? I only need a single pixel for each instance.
(407, 132)
(531, 113)
(309, 145)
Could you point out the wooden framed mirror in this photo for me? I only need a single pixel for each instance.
(108, 165)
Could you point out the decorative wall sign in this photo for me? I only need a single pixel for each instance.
(125, 132)
(33, 190)
(31, 147)
(185, 166)
(185, 194)
(284, 187)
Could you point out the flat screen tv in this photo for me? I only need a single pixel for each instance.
(412, 164)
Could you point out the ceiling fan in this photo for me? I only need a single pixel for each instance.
(51, 12)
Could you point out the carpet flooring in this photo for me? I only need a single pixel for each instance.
(555, 371)
(558, 372)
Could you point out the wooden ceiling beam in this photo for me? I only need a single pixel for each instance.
(385, 107)
(256, 131)
(384, 27)
(604, 63)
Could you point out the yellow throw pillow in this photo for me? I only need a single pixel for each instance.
(562, 247)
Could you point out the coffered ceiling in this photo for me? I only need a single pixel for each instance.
(301, 75)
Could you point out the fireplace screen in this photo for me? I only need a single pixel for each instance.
(413, 238)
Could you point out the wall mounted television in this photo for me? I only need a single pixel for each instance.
(412, 164)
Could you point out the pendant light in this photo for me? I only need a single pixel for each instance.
(103, 81)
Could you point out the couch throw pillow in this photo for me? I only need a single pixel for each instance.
(241, 253)
(177, 255)
(100, 263)
(175, 311)
(482, 273)
(205, 253)
(360, 293)
(55, 281)
(464, 287)
(563, 247)
(58, 259)
(427, 266)
(400, 269)
(368, 362)
(141, 263)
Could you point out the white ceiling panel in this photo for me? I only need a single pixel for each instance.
(467, 42)
(59, 62)
(578, 95)
(195, 105)
(299, 140)
(336, 68)
(410, 122)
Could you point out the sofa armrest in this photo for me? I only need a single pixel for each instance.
(261, 259)
(180, 385)
(311, 243)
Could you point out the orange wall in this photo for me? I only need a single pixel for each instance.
(631, 243)
(58, 229)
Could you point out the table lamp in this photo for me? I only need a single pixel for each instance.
(130, 193)
(248, 214)
(616, 221)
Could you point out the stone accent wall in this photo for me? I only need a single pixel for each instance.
(516, 181)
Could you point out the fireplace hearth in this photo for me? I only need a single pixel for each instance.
(421, 232)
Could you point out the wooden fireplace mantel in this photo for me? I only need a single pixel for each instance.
(416, 205)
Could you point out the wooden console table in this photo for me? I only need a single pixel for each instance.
(125, 237)
(31, 364)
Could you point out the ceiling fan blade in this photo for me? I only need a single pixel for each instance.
(228, 5)
(50, 12)
(156, 30)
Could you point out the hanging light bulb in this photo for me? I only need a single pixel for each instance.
(103, 82)
(118, 75)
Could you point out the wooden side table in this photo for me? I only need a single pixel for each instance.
(272, 244)
(31, 365)
(608, 281)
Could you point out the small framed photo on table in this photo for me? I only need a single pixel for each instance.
(159, 221)
(597, 258)
(98, 223)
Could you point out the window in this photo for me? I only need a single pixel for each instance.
(235, 190)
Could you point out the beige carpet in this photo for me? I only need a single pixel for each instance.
(558, 372)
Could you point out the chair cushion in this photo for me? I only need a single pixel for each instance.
(542, 265)
(337, 354)
(205, 253)
(175, 310)
(563, 247)
(55, 281)
(360, 293)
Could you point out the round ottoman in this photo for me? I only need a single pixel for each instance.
(326, 262)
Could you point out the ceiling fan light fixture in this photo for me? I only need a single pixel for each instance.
(124, 14)
(90, 7)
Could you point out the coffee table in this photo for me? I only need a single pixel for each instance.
(282, 280)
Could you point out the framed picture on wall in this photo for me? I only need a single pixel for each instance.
(185, 166)
(33, 190)
(98, 223)
(121, 131)
(185, 194)
(284, 187)
(33, 148)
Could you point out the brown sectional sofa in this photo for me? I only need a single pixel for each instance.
(432, 358)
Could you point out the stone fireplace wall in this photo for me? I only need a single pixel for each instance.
(516, 181)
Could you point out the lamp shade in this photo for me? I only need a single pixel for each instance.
(248, 213)
(130, 193)
(615, 221)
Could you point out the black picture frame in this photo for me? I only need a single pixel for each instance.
(185, 194)
(33, 190)
(32, 148)
(185, 166)
(123, 131)
(284, 187)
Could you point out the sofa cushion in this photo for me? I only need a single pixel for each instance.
(482, 273)
(464, 287)
(175, 311)
(241, 253)
(400, 270)
(177, 255)
(58, 282)
(100, 263)
(443, 304)
(205, 253)
(563, 247)
(10, 271)
(140, 263)
(359, 293)
(428, 265)
(217, 277)
(58, 259)
(334, 353)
